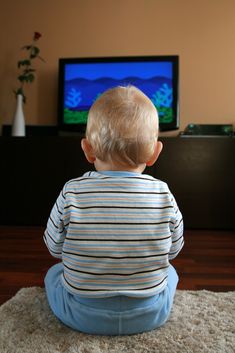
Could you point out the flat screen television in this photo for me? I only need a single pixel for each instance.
(83, 80)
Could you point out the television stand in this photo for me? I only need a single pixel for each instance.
(200, 173)
(33, 130)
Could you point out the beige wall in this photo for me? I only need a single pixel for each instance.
(201, 32)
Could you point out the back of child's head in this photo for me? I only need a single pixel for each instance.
(122, 126)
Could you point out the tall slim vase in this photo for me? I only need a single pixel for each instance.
(18, 126)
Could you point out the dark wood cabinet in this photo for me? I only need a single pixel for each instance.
(200, 172)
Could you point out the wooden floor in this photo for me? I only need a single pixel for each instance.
(207, 260)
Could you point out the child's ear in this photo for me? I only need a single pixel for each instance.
(88, 150)
(157, 151)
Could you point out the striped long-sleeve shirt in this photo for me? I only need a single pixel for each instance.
(115, 233)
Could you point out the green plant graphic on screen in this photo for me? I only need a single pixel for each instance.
(162, 99)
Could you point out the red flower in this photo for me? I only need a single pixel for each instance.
(27, 72)
(37, 35)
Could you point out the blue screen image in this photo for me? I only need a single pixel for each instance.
(85, 82)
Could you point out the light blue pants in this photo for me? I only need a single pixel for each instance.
(109, 316)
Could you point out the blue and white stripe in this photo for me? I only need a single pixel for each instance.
(115, 234)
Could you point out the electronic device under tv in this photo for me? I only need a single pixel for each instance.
(83, 80)
(208, 130)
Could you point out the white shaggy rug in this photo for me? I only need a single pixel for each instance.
(201, 321)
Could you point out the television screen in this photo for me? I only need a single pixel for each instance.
(83, 80)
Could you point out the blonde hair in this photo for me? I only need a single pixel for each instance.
(122, 126)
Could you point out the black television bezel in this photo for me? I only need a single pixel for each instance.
(62, 126)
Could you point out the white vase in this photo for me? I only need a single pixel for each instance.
(18, 126)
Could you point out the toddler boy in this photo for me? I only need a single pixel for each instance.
(115, 229)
